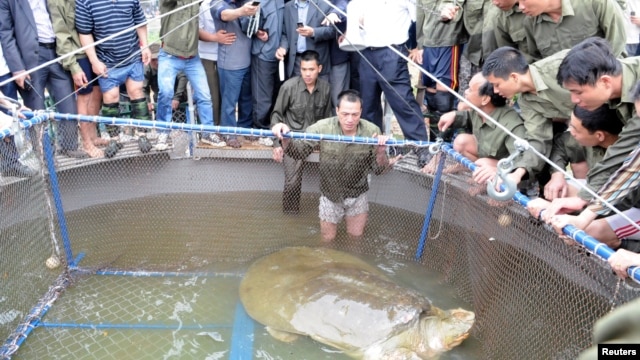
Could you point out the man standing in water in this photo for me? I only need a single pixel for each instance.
(344, 167)
(301, 102)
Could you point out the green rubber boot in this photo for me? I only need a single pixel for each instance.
(140, 110)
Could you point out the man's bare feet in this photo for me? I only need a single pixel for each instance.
(93, 151)
(477, 189)
(432, 165)
(499, 204)
(98, 141)
(454, 169)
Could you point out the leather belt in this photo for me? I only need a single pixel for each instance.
(48, 45)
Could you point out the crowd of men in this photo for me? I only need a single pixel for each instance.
(528, 64)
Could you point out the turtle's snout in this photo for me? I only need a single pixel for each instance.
(459, 325)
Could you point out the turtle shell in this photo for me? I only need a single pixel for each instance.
(332, 296)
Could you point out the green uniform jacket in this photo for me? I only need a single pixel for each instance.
(474, 11)
(63, 19)
(628, 138)
(509, 30)
(179, 34)
(492, 141)
(551, 101)
(567, 150)
(298, 108)
(344, 167)
(431, 32)
(621, 326)
(580, 19)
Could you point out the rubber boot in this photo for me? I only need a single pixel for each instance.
(443, 102)
(111, 110)
(140, 110)
(420, 93)
(432, 114)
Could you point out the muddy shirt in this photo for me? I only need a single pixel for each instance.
(344, 167)
(550, 101)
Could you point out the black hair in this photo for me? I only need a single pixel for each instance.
(349, 95)
(603, 118)
(587, 61)
(503, 61)
(310, 55)
(486, 88)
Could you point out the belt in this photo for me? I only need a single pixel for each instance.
(48, 45)
(397, 47)
(178, 56)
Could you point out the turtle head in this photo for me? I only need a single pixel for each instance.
(442, 330)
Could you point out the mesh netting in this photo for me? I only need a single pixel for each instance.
(157, 243)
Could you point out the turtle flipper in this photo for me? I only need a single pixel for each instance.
(283, 336)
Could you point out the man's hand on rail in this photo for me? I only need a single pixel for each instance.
(564, 206)
(556, 187)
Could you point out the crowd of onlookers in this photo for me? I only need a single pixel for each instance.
(559, 73)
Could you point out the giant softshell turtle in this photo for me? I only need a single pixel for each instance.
(340, 300)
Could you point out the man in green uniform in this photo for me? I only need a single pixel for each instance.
(477, 23)
(542, 101)
(554, 25)
(344, 167)
(595, 76)
(302, 100)
(487, 143)
(594, 132)
(566, 150)
(508, 27)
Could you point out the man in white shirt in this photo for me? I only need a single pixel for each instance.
(632, 26)
(386, 28)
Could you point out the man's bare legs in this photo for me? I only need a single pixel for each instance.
(89, 104)
(466, 145)
(355, 227)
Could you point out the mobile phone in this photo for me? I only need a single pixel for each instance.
(300, 25)
(27, 84)
(255, 3)
(633, 13)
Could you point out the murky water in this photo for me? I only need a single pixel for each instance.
(197, 316)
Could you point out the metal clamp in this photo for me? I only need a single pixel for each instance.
(504, 168)
(435, 147)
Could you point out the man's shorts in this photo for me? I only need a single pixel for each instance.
(119, 75)
(85, 65)
(334, 212)
(443, 63)
(626, 232)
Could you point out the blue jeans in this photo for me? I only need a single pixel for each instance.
(235, 87)
(168, 68)
(119, 75)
